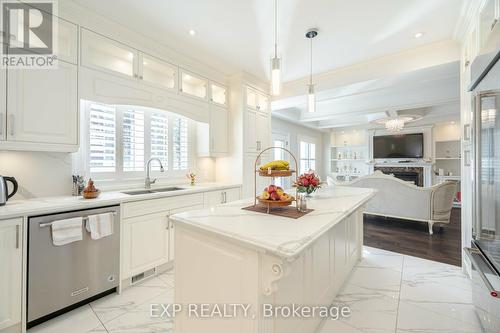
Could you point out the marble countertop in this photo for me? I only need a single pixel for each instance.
(281, 236)
(47, 205)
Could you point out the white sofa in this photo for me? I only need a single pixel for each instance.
(404, 200)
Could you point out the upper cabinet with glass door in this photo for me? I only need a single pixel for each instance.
(66, 47)
(158, 73)
(257, 100)
(101, 53)
(488, 20)
(193, 85)
(218, 94)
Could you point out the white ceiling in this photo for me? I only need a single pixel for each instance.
(239, 32)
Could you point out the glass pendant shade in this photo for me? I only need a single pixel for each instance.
(275, 76)
(311, 99)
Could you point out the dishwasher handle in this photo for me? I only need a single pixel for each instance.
(85, 219)
(471, 254)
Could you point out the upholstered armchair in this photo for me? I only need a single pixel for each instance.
(403, 200)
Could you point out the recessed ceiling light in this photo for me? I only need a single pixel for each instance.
(192, 32)
(418, 34)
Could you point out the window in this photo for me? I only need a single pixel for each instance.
(133, 140)
(102, 139)
(180, 144)
(307, 156)
(121, 139)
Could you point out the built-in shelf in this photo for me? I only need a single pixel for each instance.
(348, 160)
(348, 147)
(447, 158)
(447, 141)
(448, 177)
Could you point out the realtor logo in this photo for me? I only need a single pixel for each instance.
(29, 31)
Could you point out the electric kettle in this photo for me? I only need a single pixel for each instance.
(4, 191)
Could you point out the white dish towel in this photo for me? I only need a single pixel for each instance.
(67, 231)
(100, 225)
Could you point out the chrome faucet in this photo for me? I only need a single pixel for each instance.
(148, 168)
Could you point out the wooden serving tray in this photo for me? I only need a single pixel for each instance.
(276, 173)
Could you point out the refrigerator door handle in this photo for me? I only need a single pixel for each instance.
(472, 254)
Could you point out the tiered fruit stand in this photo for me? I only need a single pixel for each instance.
(273, 174)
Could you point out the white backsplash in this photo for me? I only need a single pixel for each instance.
(42, 174)
(38, 174)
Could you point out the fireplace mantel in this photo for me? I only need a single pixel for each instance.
(426, 168)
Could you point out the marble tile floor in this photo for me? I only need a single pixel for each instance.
(387, 292)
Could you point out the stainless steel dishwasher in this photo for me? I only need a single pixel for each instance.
(61, 278)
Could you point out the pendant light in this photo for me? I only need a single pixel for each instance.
(311, 98)
(275, 61)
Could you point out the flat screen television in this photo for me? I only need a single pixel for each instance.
(399, 146)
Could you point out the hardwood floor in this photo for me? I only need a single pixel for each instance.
(412, 238)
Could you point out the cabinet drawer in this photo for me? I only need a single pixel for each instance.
(162, 204)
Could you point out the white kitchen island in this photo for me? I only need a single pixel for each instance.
(226, 255)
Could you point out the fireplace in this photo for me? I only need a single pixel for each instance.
(411, 174)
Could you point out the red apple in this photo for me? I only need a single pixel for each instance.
(275, 196)
(271, 188)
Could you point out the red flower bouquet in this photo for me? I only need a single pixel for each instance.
(308, 182)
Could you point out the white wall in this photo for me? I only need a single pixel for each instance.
(295, 131)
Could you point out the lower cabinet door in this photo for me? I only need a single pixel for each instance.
(232, 194)
(11, 275)
(213, 198)
(171, 231)
(145, 243)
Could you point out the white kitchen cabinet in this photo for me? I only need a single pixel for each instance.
(263, 131)
(42, 106)
(193, 85)
(11, 275)
(171, 228)
(144, 243)
(218, 94)
(250, 130)
(156, 72)
(3, 103)
(212, 137)
(104, 54)
(348, 138)
(67, 38)
(488, 19)
(257, 131)
(219, 122)
(146, 231)
(214, 198)
(256, 100)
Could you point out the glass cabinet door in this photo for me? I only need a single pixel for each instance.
(102, 53)
(157, 72)
(193, 85)
(263, 103)
(218, 94)
(487, 21)
(67, 36)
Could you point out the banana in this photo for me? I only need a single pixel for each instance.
(276, 165)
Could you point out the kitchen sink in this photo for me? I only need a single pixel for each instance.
(164, 189)
(168, 189)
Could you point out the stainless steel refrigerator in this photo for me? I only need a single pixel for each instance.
(484, 252)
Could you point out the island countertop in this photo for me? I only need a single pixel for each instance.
(282, 236)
